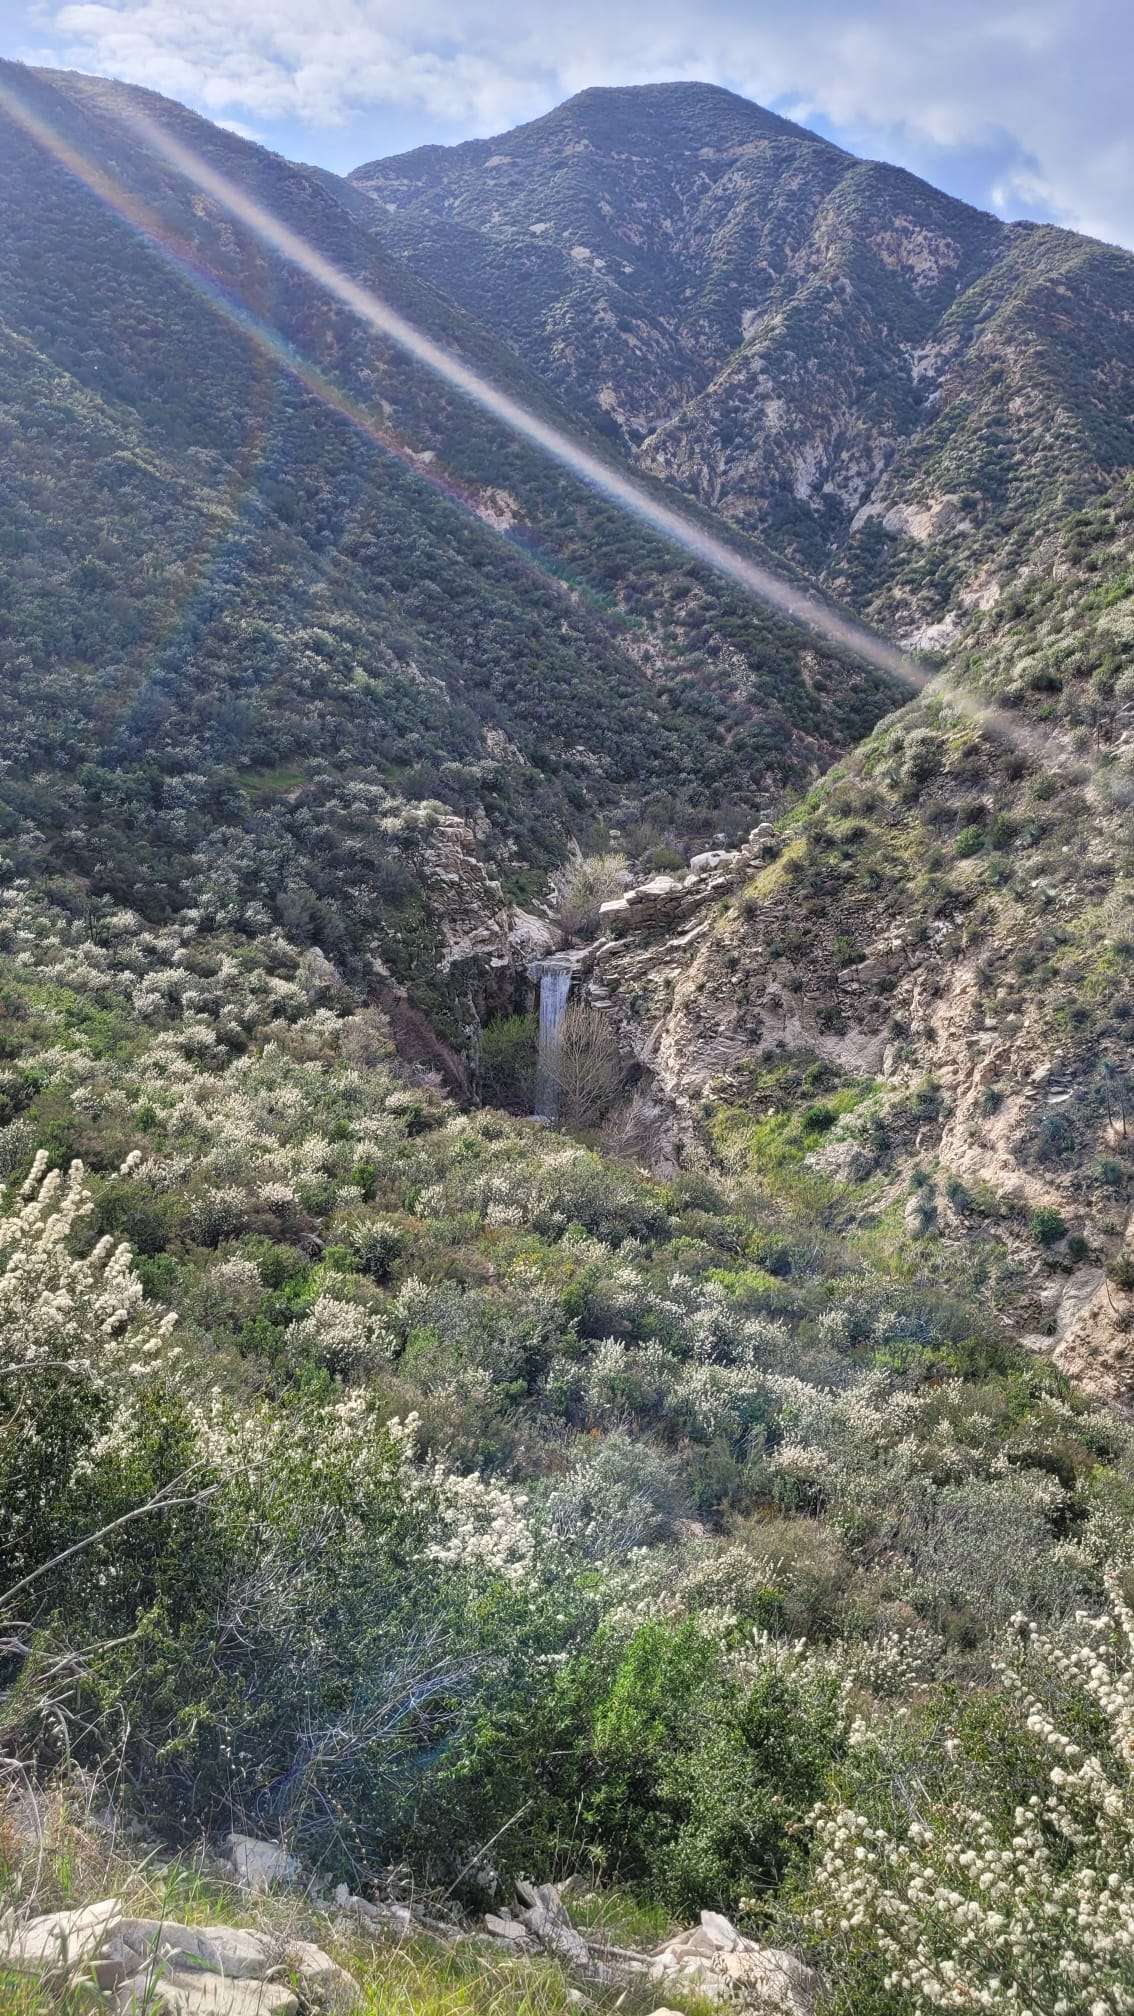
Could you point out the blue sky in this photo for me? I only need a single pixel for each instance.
(1021, 106)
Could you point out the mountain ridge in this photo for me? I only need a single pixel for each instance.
(688, 97)
(815, 346)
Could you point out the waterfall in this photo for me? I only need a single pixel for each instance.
(554, 988)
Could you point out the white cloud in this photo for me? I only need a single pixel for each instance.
(1039, 84)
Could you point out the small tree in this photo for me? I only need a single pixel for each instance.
(587, 1066)
(508, 1062)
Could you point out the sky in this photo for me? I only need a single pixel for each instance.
(1021, 106)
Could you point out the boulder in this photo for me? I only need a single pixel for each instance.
(216, 1949)
(715, 1961)
(720, 1931)
(61, 1944)
(531, 936)
(323, 1984)
(505, 1928)
(175, 1991)
(920, 1213)
(260, 1864)
(398, 1917)
(716, 857)
(846, 1161)
(773, 1980)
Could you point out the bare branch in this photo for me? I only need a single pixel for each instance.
(160, 1502)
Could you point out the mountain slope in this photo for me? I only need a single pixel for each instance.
(258, 597)
(942, 955)
(881, 380)
(607, 238)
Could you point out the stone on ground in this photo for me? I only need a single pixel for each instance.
(714, 1960)
(181, 1993)
(260, 1864)
(219, 1949)
(323, 1983)
(60, 1943)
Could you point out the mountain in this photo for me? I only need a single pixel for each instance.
(296, 636)
(888, 385)
(587, 231)
(270, 590)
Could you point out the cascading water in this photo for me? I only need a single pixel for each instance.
(554, 988)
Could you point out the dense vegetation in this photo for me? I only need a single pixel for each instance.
(443, 1403)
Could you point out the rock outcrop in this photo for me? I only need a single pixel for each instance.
(715, 1961)
(158, 1965)
(666, 901)
(710, 1960)
(475, 918)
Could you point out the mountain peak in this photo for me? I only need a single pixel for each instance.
(684, 117)
(694, 113)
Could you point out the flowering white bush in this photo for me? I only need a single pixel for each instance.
(60, 1311)
(343, 1336)
(1036, 1919)
(483, 1527)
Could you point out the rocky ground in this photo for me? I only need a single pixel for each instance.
(276, 1962)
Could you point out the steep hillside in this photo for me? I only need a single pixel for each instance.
(917, 1015)
(889, 385)
(266, 583)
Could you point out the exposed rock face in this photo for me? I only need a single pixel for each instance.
(476, 920)
(531, 937)
(1097, 1345)
(950, 916)
(666, 901)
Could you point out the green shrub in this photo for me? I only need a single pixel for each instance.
(508, 1062)
(701, 1774)
(373, 1245)
(1047, 1225)
(579, 888)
